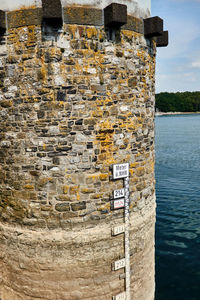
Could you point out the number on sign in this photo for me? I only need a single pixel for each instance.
(118, 203)
(119, 264)
(119, 193)
(118, 229)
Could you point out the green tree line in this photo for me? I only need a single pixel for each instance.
(178, 102)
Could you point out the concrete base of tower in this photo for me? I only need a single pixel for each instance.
(69, 265)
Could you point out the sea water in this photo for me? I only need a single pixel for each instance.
(178, 207)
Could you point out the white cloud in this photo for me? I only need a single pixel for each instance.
(190, 77)
(196, 64)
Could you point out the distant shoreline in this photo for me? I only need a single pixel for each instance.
(157, 114)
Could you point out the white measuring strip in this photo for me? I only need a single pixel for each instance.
(122, 171)
(127, 243)
(121, 296)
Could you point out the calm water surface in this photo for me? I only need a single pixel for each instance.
(178, 207)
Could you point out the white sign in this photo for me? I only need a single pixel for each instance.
(121, 296)
(119, 264)
(120, 171)
(118, 203)
(119, 193)
(118, 229)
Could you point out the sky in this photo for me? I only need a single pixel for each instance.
(178, 65)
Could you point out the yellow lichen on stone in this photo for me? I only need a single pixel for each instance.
(104, 207)
(87, 190)
(140, 171)
(65, 189)
(91, 32)
(73, 190)
(29, 187)
(103, 177)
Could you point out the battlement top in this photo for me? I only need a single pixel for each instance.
(137, 8)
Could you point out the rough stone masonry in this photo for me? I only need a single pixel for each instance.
(74, 100)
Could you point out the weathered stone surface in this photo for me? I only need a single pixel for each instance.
(132, 82)
(153, 27)
(115, 15)
(2, 19)
(134, 24)
(85, 253)
(51, 9)
(62, 207)
(163, 40)
(78, 206)
(25, 17)
(69, 110)
(83, 16)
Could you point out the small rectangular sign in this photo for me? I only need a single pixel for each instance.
(118, 229)
(118, 193)
(118, 203)
(119, 264)
(120, 171)
(121, 296)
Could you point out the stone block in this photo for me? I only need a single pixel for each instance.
(153, 27)
(83, 16)
(63, 198)
(2, 19)
(78, 206)
(88, 190)
(61, 96)
(51, 9)
(25, 17)
(132, 82)
(134, 24)
(61, 207)
(115, 15)
(163, 40)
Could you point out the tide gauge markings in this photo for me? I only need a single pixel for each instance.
(121, 171)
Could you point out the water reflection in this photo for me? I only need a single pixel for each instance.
(178, 207)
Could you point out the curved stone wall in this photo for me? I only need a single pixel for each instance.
(71, 106)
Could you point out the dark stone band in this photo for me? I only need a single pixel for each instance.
(134, 24)
(51, 9)
(24, 17)
(2, 19)
(83, 16)
(72, 15)
(115, 15)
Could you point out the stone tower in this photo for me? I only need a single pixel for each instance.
(76, 97)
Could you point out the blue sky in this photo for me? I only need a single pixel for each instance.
(178, 65)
